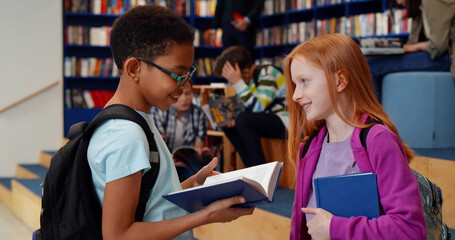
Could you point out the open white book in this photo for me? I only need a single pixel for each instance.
(256, 184)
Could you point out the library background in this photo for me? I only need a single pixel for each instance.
(90, 78)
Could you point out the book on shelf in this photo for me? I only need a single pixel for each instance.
(256, 184)
(221, 111)
(77, 98)
(348, 195)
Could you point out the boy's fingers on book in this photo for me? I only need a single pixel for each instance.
(206, 171)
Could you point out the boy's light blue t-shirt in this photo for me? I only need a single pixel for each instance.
(119, 148)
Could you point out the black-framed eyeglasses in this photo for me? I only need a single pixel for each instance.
(181, 79)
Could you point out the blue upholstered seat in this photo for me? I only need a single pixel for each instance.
(422, 106)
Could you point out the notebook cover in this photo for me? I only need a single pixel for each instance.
(348, 195)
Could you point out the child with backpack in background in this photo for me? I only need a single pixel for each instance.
(153, 50)
(331, 99)
(184, 128)
(262, 91)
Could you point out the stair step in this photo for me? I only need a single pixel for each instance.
(269, 221)
(26, 201)
(30, 171)
(6, 182)
(34, 185)
(5, 191)
(45, 157)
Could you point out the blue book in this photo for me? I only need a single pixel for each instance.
(348, 195)
(256, 184)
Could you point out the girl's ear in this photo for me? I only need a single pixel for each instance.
(132, 68)
(342, 80)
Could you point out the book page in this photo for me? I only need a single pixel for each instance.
(261, 174)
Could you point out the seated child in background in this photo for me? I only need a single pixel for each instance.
(262, 91)
(330, 95)
(153, 50)
(184, 125)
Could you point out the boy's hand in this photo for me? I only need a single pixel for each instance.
(319, 226)
(233, 75)
(206, 171)
(222, 210)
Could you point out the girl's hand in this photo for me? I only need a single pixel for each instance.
(416, 47)
(206, 171)
(222, 210)
(319, 226)
(233, 75)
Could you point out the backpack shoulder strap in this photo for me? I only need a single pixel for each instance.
(363, 136)
(308, 143)
(118, 111)
(364, 133)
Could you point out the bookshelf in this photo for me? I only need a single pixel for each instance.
(285, 24)
(86, 48)
(279, 30)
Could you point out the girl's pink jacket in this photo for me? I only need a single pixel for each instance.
(402, 216)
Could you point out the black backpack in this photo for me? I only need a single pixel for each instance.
(430, 194)
(70, 205)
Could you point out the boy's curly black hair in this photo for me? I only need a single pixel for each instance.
(234, 54)
(147, 31)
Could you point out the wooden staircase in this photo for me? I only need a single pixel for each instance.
(22, 193)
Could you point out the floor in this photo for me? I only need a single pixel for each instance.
(11, 228)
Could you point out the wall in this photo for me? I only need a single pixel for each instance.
(30, 59)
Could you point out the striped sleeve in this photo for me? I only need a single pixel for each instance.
(256, 99)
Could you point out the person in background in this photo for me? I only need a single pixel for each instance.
(184, 125)
(236, 18)
(431, 42)
(153, 50)
(331, 97)
(262, 92)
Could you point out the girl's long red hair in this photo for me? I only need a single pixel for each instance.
(335, 54)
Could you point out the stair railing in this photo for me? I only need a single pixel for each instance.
(30, 96)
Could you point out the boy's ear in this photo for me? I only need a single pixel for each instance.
(342, 80)
(247, 73)
(132, 68)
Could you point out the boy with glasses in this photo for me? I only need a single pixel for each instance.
(153, 50)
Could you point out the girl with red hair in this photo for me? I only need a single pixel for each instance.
(330, 95)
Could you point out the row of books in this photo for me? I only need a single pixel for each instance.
(204, 66)
(81, 35)
(286, 34)
(182, 7)
(99, 36)
(77, 98)
(205, 8)
(90, 67)
(281, 6)
(209, 37)
(101, 6)
(363, 25)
